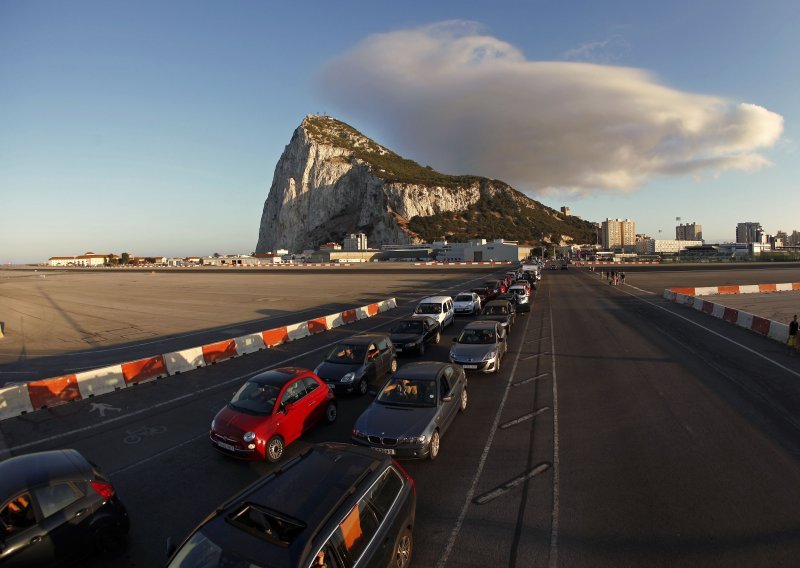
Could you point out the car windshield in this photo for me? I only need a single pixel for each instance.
(414, 326)
(428, 309)
(345, 353)
(255, 397)
(491, 284)
(473, 336)
(464, 298)
(517, 291)
(201, 552)
(495, 310)
(409, 392)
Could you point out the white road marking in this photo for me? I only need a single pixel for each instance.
(495, 493)
(523, 418)
(553, 561)
(535, 340)
(481, 463)
(535, 355)
(529, 379)
(159, 454)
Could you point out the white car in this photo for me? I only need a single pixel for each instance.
(467, 303)
(522, 296)
(439, 308)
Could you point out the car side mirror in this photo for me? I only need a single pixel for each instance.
(170, 547)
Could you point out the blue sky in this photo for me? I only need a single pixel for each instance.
(155, 127)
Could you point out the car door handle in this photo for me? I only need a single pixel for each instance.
(36, 539)
(81, 513)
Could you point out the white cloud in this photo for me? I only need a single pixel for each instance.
(470, 103)
(605, 51)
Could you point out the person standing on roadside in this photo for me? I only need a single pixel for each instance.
(792, 341)
(622, 278)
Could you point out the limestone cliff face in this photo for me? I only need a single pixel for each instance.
(332, 180)
(322, 190)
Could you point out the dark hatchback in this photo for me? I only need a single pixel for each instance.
(334, 505)
(355, 364)
(413, 334)
(502, 311)
(56, 508)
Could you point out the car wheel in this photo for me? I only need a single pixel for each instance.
(437, 338)
(331, 412)
(275, 449)
(363, 386)
(433, 446)
(463, 406)
(403, 549)
(108, 540)
(393, 367)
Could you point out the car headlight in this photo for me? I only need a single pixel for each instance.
(489, 356)
(348, 377)
(249, 437)
(412, 440)
(358, 434)
(213, 423)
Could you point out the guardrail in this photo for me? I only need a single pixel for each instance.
(46, 393)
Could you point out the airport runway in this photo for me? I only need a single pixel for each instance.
(622, 431)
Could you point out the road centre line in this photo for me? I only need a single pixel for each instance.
(523, 418)
(481, 463)
(553, 560)
(189, 395)
(158, 454)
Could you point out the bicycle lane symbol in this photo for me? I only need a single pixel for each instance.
(136, 435)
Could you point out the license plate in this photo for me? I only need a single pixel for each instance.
(225, 446)
(398, 349)
(385, 450)
(470, 366)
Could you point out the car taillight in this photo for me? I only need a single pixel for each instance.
(408, 477)
(105, 490)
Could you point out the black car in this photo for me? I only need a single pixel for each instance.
(356, 363)
(413, 411)
(413, 334)
(56, 508)
(501, 310)
(334, 505)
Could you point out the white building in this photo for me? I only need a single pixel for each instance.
(478, 250)
(656, 246)
(86, 259)
(355, 241)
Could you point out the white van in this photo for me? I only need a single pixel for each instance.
(439, 308)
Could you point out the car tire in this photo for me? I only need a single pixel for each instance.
(363, 386)
(393, 366)
(462, 407)
(437, 338)
(403, 548)
(331, 412)
(275, 449)
(108, 539)
(434, 445)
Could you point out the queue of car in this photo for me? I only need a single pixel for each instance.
(360, 507)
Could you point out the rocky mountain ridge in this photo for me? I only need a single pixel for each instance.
(332, 180)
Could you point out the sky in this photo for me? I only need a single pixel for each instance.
(154, 128)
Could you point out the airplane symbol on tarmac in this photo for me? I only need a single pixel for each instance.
(102, 408)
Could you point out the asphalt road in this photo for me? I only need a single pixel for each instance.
(622, 430)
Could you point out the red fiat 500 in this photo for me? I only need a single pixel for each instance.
(270, 411)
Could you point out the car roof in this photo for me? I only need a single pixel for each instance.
(420, 369)
(362, 339)
(481, 324)
(434, 299)
(40, 468)
(500, 302)
(311, 489)
(278, 377)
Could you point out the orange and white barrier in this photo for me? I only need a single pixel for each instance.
(690, 297)
(46, 393)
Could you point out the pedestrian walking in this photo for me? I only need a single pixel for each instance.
(792, 341)
(622, 277)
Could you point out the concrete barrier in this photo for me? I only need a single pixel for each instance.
(52, 392)
(249, 343)
(273, 337)
(185, 360)
(14, 400)
(297, 331)
(219, 351)
(100, 381)
(144, 370)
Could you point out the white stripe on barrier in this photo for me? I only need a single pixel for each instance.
(14, 400)
(785, 287)
(362, 312)
(778, 331)
(706, 291)
(389, 304)
(749, 289)
(719, 311)
(297, 330)
(745, 320)
(185, 360)
(698, 304)
(249, 343)
(334, 320)
(100, 381)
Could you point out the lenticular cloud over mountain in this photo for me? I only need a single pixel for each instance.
(472, 104)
